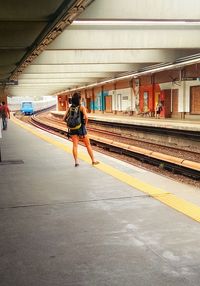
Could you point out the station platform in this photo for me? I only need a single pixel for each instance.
(170, 123)
(112, 224)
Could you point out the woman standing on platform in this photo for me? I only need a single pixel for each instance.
(81, 132)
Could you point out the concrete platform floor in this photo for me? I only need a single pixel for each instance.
(66, 226)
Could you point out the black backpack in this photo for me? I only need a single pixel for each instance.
(73, 118)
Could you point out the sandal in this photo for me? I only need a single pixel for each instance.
(95, 163)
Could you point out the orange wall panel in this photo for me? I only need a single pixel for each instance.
(145, 80)
(122, 84)
(110, 86)
(167, 76)
(191, 71)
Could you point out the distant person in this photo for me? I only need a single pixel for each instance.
(5, 114)
(79, 132)
(158, 110)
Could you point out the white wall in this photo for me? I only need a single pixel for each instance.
(123, 99)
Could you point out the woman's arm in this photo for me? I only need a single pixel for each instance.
(65, 116)
(85, 115)
(8, 112)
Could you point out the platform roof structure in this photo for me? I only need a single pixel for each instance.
(86, 42)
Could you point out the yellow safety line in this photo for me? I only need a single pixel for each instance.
(189, 209)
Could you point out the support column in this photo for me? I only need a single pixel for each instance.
(0, 136)
(3, 94)
(102, 100)
(93, 101)
(114, 100)
(131, 96)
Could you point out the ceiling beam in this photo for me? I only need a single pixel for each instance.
(63, 17)
(133, 38)
(81, 68)
(65, 57)
(66, 75)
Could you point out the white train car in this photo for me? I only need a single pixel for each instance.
(15, 103)
(30, 107)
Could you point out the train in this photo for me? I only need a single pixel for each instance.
(30, 107)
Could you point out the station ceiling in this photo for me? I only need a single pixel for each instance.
(51, 46)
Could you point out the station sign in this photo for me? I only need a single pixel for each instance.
(8, 82)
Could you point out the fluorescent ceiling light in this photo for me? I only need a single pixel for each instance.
(135, 23)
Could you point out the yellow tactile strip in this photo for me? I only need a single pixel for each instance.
(183, 206)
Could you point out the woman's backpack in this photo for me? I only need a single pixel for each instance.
(73, 118)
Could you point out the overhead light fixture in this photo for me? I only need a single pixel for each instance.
(137, 22)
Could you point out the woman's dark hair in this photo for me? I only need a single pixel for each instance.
(76, 99)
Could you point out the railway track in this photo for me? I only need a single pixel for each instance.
(148, 144)
(189, 134)
(113, 142)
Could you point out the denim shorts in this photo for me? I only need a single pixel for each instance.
(81, 132)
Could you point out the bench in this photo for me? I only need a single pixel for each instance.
(147, 113)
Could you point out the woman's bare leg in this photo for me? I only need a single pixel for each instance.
(86, 141)
(75, 140)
